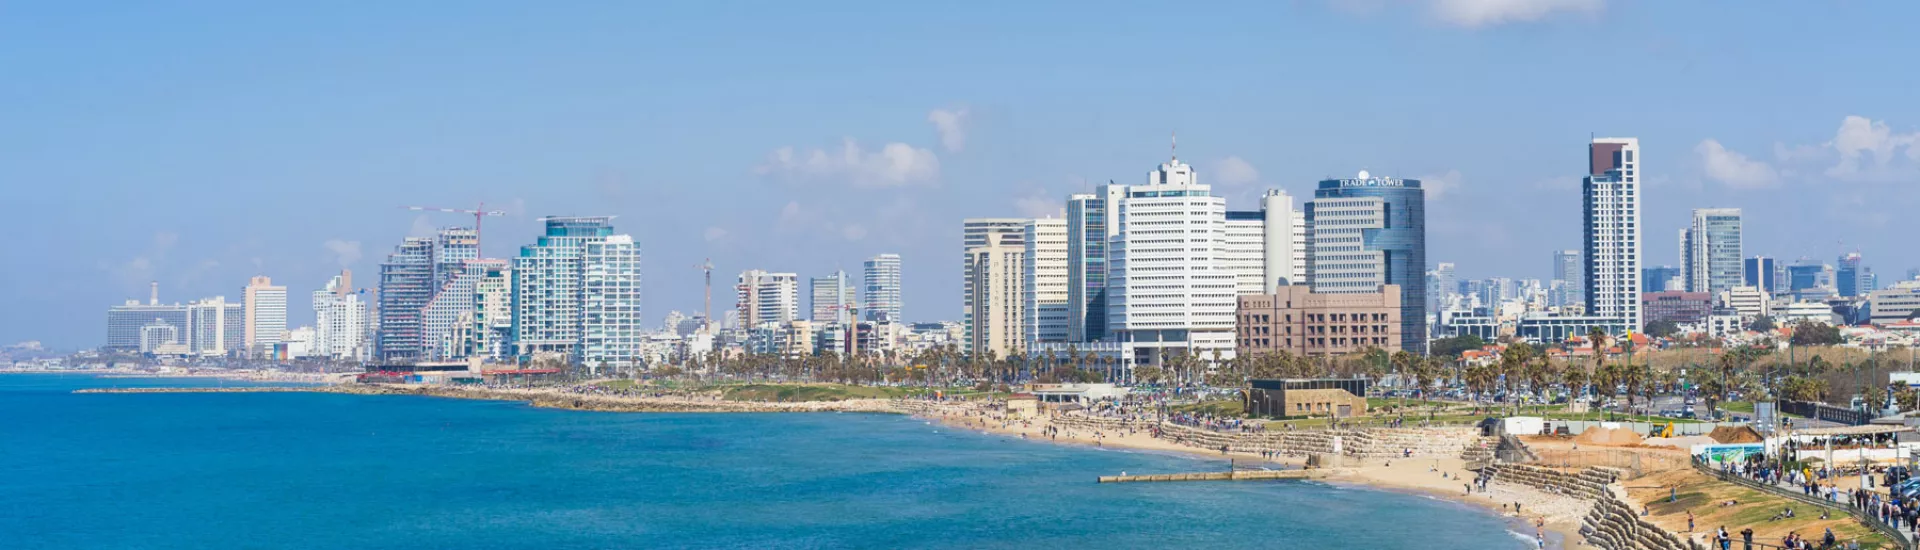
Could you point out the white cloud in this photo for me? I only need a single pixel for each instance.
(1867, 149)
(1438, 186)
(1487, 13)
(853, 232)
(344, 252)
(1234, 170)
(952, 126)
(1734, 169)
(1039, 205)
(422, 227)
(715, 233)
(895, 164)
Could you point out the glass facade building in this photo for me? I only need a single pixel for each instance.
(1371, 231)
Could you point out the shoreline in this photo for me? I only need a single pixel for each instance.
(1413, 477)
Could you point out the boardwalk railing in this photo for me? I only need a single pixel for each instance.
(1892, 533)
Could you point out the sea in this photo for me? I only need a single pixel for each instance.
(318, 470)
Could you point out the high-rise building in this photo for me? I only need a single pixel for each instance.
(978, 232)
(1261, 246)
(831, 297)
(1848, 276)
(1440, 283)
(1611, 232)
(216, 326)
(1045, 281)
(266, 311)
(134, 326)
(1900, 302)
(1761, 272)
(1712, 250)
(1659, 279)
(492, 316)
(882, 278)
(997, 302)
(1370, 231)
(551, 298)
(340, 320)
(612, 325)
(449, 313)
(1090, 226)
(1169, 289)
(763, 297)
(417, 271)
(1567, 271)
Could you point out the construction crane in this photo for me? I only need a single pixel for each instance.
(478, 214)
(706, 266)
(853, 326)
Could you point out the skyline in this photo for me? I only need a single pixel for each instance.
(204, 163)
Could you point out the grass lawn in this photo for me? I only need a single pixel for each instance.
(1704, 496)
(813, 392)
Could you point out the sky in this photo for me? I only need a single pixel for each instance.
(201, 143)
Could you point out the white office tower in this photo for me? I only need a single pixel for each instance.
(491, 321)
(550, 298)
(215, 327)
(1611, 232)
(266, 311)
(611, 324)
(1045, 281)
(832, 298)
(1285, 236)
(882, 278)
(1090, 229)
(997, 306)
(975, 233)
(763, 297)
(1710, 251)
(1261, 245)
(1170, 291)
(340, 320)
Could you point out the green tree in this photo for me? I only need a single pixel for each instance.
(1808, 333)
(1662, 328)
(1452, 347)
(1762, 324)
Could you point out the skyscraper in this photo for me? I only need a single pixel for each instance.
(882, 278)
(612, 325)
(1440, 283)
(266, 311)
(1848, 276)
(134, 326)
(340, 320)
(577, 280)
(1260, 245)
(830, 298)
(764, 297)
(1761, 272)
(978, 232)
(216, 326)
(417, 271)
(1090, 225)
(1610, 229)
(1567, 272)
(448, 314)
(1712, 252)
(1045, 281)
(1370, 231)
(1662, 279)
(1169, 288)
(997, 302)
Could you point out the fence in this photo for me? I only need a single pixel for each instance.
(1829, 413)
(1680, 429)
(1636, 463)
(1891, 532)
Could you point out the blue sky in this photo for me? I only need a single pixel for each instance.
(201, 143)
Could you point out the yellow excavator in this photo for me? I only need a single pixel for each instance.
(1663, 431)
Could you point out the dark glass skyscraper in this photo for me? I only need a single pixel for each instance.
(1090, 223)
(1370, 231)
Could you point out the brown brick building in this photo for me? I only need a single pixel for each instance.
(1301, 322)
(1678, 307)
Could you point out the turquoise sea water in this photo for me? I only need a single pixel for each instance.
(342, 471)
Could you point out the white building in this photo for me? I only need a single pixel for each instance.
(546, 286)
(1710, 251)
(299, 342)
(216, 327)
(975, 233)
(763, 297)
(1811, 312)
(340, 320)
(266, 311)
(882, 278)
(1896, 303)
(612, 326)
(1611, 232)
(997, 312)
(832, 298)
(1169, 289)
(448, 315)
(1045, 281)
(1747, 301)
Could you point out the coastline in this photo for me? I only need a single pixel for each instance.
(1421, 477)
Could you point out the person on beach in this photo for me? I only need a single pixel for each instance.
(1689, 521)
